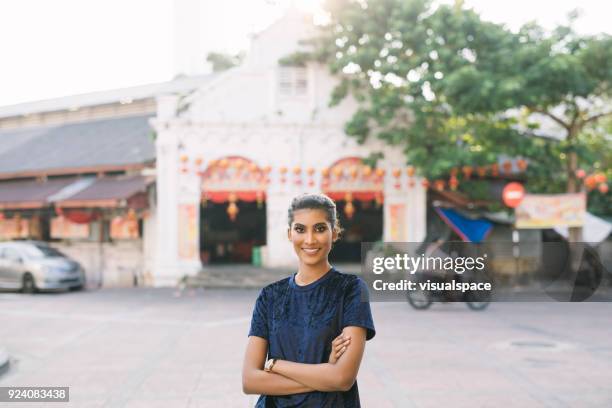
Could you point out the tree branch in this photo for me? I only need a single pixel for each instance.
(596, 117)
(553, 117)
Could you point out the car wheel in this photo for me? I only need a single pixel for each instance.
(28, 285)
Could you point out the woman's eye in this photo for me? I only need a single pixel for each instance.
(321, 229)
(298, 229)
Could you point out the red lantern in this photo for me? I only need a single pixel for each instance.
(297, 170)
(507, 165)
(600, 178)
(410, 171)
(353, 172)
(453, 183)
(338, 172)
(325, 172)
(603, 188)
(495, 169)
(439, 185)
(467, 171)
(349, 208)
(425, 183)
(453, 172)
(380, 173)
(397, 173)
(366, 171)
(521, 164)
(580, 174)
(481, 170)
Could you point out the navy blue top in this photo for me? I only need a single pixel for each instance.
(300, 323)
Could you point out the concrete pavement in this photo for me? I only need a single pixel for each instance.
(165, 348)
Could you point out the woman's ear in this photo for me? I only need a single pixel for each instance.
(335, 235)
(289, 234)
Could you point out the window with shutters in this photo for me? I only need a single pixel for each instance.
(292, 81)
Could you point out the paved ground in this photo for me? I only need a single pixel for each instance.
(158, 348)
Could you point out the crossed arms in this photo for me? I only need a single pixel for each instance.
(287, 377)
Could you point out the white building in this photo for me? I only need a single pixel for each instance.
(253, 123)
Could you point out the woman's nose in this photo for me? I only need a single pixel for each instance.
(310, 237)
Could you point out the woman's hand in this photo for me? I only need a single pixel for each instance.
(339, 346)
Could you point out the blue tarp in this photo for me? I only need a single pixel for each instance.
(469, 230)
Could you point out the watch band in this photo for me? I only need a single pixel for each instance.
(269, 364)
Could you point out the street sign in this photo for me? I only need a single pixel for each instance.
(513, 194)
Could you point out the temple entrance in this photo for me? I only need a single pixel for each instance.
(357, 190)
(233, 212)
(225, 241)
(366, 225)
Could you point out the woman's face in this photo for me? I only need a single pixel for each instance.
(312, 236)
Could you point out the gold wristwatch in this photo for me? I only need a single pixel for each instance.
(269, 364)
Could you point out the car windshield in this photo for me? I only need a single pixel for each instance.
(42, 251)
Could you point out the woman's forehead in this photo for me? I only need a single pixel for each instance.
(308, 216)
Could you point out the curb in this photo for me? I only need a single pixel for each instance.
(4, 361)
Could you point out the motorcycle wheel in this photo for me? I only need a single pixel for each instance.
(419, 299)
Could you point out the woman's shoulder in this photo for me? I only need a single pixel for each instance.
(278, 285)
(347, 280)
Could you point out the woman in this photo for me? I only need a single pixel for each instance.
(308, 331)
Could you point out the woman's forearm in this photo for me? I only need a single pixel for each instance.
(260, 382)
(321, 377)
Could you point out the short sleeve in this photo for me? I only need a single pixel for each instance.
(259, 321)
(356, 310)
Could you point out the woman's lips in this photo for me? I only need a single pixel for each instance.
(310, 251)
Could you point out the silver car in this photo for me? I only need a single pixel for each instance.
(32, 265)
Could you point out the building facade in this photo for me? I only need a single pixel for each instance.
(232, 156)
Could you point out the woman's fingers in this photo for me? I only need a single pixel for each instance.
(340, 348)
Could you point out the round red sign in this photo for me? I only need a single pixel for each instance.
(513, 194)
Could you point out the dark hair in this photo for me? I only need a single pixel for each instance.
(316, 202)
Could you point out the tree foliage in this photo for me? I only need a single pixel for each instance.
(454, 90)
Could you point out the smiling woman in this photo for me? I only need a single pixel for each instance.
(308, 331)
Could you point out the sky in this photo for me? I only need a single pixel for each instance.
(66, 47)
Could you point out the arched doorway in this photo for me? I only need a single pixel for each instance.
(233, 211)
(357, 190)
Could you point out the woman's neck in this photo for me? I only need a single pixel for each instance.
(310, 273)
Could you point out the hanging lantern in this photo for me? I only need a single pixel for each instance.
(453, 183)
(184, 158)
(310, 171)
(397, 173)
(453, 172)
(481, 170)
(198, 161)
(580, 174)
(325, 172)
(223, 163)
(379, 199)
(366, 171)
(590, 182)
(349, 208)
(603, 188)
(380, 173)
(212, 163)
(600, 178)
(495, 169)
(507, 166)
(521, 164)
(267, 170)
(439, 185)
(353, 172)
(283, 171)
(410, 171)
(338, 172)
(297, 170)
(467, 171)
(232, 208)
(425, 184)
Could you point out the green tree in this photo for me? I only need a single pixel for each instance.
(455, 90)
(221, 61)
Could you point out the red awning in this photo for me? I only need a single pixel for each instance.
(30, 194)
(108, 192)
